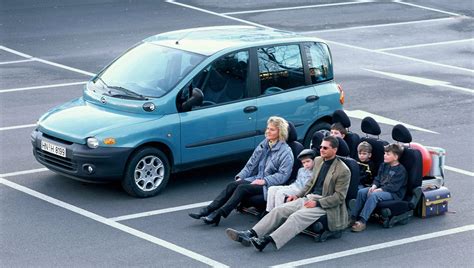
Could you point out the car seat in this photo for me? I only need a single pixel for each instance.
(370, 127)
(352, 139)
(319, 229)
(400, 211)
(257, 201)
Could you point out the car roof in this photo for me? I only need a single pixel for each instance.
(209, 40)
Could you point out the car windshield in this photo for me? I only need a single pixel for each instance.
(150, 70)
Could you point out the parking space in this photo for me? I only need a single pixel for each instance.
(354, 15)
(408, 62)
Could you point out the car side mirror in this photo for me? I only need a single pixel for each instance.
(196, 98)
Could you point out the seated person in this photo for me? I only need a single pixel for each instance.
(270, 164)
(324, 194)
(338, 130)
(389, 184)
(366, 178)
(277, 194)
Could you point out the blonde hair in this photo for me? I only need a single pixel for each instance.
(364, 147)
(282, 126)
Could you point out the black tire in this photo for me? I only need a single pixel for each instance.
(153, 178)
(316, 127)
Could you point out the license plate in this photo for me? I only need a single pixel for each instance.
(53, 148)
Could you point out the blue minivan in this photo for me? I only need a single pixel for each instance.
(185, 99)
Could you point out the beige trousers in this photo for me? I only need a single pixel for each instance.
(286, 221)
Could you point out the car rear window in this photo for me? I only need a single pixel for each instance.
(319, 62)
(280, 68)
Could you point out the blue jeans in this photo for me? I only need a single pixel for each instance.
(365, 205)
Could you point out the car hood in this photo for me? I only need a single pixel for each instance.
(77, 120)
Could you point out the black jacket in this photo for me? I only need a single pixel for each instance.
(392, 179)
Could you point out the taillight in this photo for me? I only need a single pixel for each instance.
(341, 94)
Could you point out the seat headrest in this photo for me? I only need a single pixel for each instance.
(292, 135)
(343, 149)
(316, 140)
(339, 116)
(370, 126)
(401, 134)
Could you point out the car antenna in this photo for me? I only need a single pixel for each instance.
(182, 37)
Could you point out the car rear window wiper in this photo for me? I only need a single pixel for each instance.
(128, 93)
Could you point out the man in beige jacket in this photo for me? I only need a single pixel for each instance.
(324, 194)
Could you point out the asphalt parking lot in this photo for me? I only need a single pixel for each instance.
(398, 61)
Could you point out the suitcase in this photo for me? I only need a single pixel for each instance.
(434, 202)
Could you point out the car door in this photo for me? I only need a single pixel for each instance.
(225, 124)
(285, 90)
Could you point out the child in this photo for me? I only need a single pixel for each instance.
(338, 130)
(364, 150)
(277, 194)
(389, 184)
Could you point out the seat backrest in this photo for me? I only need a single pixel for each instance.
(296, 149)
(352, 139)
(354, 184)
(370, 127)
(316, 141)
(411, 159)
(343, 155)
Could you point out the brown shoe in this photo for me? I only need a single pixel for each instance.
(352, 222)
(358, 226)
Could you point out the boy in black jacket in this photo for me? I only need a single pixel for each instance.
(389, 184)
(366, 166)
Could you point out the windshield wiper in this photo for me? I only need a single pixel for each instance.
(128, 93)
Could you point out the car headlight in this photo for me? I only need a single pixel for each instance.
(92, 142)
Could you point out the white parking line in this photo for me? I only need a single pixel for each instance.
(427, 8)
(41, 87)
(17, 127)
(217, 14)
(428, 44)
(394, 243)
(46, 61)
(359, 114)
(422, 81)
(458, 170)
(113, 224)
(160, 211)
(15, 61)
(293, 8)
(5, 175)
(401, 57)
(379, 25)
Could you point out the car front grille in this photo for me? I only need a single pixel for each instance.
(57, 161)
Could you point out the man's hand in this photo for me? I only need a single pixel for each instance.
(377, 190)
(310, 204)
(371, 189)
(291, 198)
(258, 182)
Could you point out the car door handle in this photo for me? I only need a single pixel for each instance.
(250, 109)
(312, 98)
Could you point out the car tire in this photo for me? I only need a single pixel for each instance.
(147, 173)
(316, 127)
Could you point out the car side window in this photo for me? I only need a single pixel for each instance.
(280, 68)
(224, 80)
(319, 62)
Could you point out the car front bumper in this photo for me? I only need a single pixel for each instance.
(81, 162)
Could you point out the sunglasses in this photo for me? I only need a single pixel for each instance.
(324, 148)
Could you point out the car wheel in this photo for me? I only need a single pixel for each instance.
(147, 173)
(316, 127)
